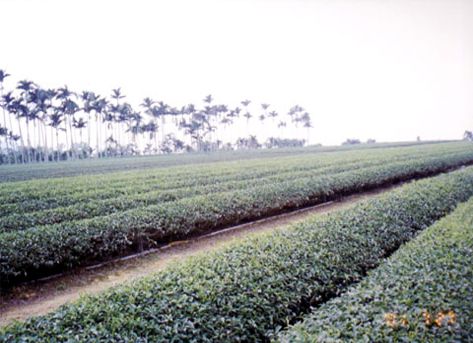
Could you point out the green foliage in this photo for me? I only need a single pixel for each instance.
(104, 166)
(21, 198)
(255, 165)
(28, 207)
(249, 290)
(422, 293)
(44, 250)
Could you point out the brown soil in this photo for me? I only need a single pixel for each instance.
(43, 296)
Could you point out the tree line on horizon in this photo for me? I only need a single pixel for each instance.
(41, 125)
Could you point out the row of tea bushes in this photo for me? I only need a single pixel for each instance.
(22, 219)
(250, 290)
(40, 188)
(103, 168)
(422, 293)
(42, 251)
(22, 197)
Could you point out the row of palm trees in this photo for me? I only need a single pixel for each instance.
(40, 125)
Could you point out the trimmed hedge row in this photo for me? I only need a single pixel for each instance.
(57, 194)
(36, 252)
(93, 208)
(249, 290)
(23, 191)
(39, 189)
(422, 293)
(99, 167)
(47, 194)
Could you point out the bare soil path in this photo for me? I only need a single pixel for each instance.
(43, 296)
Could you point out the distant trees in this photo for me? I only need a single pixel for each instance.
(354, 141)
(468, 136)
(274, 142)
(248, 143)
(44, 125)
(351, 141)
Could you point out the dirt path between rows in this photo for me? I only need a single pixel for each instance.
(44, 296)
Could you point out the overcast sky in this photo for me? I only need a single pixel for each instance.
(389, 70)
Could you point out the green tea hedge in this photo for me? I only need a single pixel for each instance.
(112, 166)
(422, 293)
(249, 290)
(84, 209)
(40, 251)
(19, 198)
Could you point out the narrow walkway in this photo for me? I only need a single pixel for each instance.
(44, 296)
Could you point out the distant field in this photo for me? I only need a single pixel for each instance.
(50, 225)
(107, 165)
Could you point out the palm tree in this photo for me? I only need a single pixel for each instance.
(26, 87)
(48, 110)
(264, 115)
(121, 118)
(55, 122)
(247, 114)
(221, 113)
(15, 108)
(79, 124)
(69, 107)
(3, 76)
(4, 133)
(212, 114)
(100, 107)
(307, 123)
(62, 95)
(208, 99)
(109, 119)
(265, 109)
(189, 111)
(152, 126)
(273, 115)
(52, 111)
(115, 111)
(88, 100)
(296, 113)
(281, 125)
(117, 94)
(161, 111)
(6, 102)
(40, 99)
(194, 128)
(147, 104)
(206, 115)
(14, 138)
(135, 127)
(227, 120)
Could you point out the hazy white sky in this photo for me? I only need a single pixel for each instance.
(390, 70)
